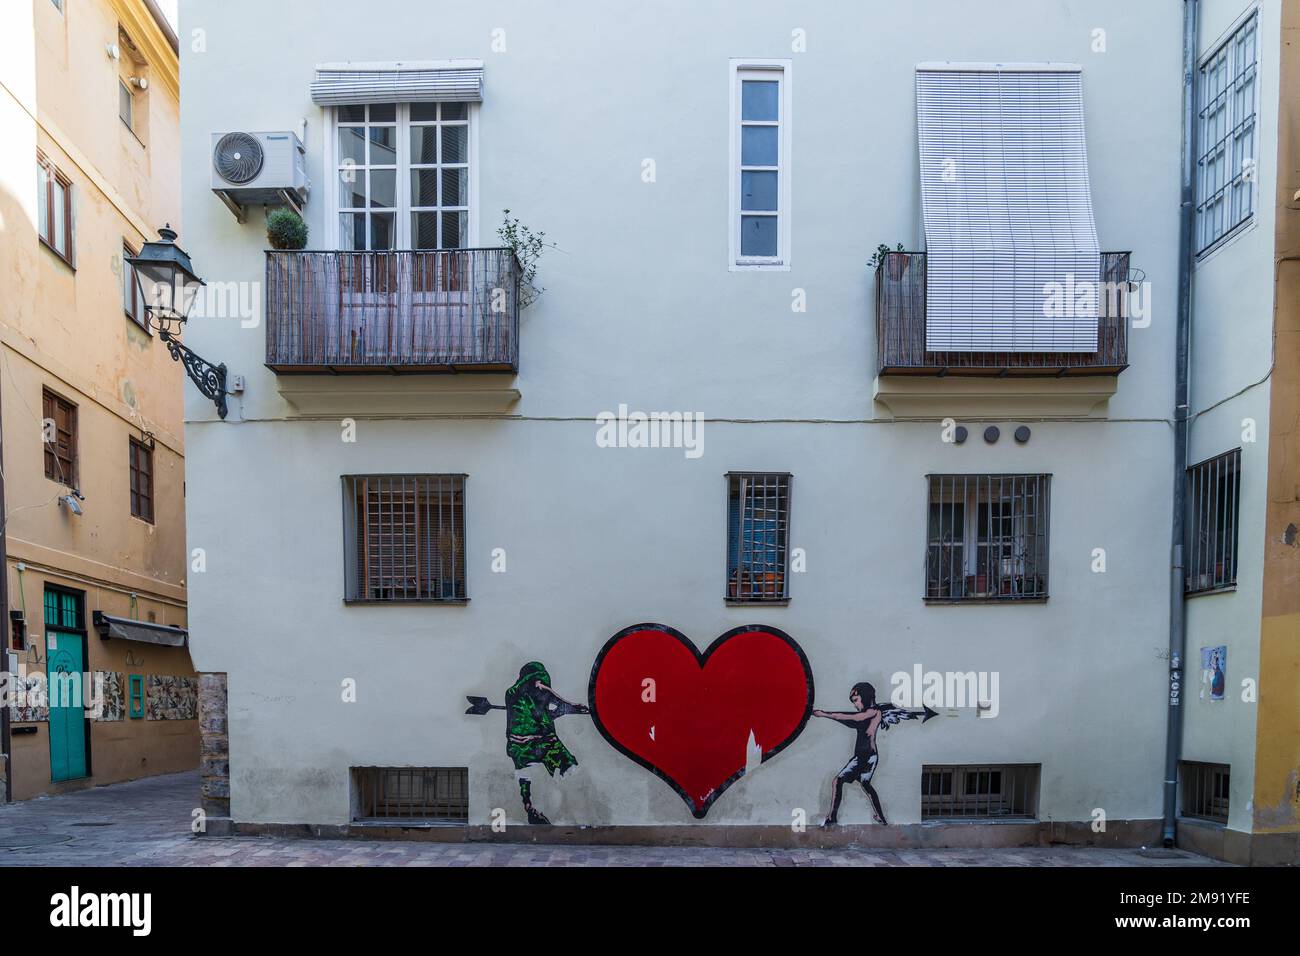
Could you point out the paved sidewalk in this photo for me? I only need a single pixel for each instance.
(147, 823)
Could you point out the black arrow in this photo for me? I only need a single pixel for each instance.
(480, 706)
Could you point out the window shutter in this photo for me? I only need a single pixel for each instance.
(1007, 209)
(350, 85)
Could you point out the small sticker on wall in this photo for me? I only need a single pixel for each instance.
(1214, 671)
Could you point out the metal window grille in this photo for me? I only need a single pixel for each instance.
(987, 537)
(438, 794)
(1205, 789)
(758, 536)
(1210, 525)
(405, 537)
(1226, 170)
(995, 791)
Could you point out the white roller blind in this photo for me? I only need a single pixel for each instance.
(1007, 209)
(348, 85)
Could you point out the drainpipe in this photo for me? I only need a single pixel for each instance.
(1186, 252)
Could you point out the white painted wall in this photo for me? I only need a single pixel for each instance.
(640, 309)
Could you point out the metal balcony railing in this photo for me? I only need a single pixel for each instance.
(900, 328)
(446, 310)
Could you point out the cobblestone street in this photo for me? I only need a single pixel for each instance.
(147, 823)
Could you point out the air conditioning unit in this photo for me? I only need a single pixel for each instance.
(259, 169)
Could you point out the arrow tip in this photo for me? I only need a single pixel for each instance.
(928, 713)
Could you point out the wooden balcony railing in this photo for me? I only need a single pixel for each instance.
(900, 328)
(447, 310)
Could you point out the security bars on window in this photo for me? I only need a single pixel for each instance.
(1226, 170)
(1205, 790)
(987, 537)
(1210, 526)
(758, 536)
(1004, 790)
(404, 538)
(438, 794)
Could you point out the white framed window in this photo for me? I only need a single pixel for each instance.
(1227, 166)
(759, 168)
(404, 175)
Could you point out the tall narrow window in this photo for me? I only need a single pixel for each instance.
(758, 537)
(59, 431)
(1226, 173)
(760, 172)
(1210, 526)
(404, 175)
(987, 537)
(140, 464)
(54, 209)
(404, 538)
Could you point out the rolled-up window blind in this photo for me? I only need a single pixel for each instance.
(347, 86)
(1011, 243)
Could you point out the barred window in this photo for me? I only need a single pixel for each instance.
(758, 536)
(404, 538)
(1210, 525)
(412, 793)
(1003, 790)
(1226, 173)
(1205, 790)
(987, 537)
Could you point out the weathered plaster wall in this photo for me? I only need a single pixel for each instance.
(640, 309)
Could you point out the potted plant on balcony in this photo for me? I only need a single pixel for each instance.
(527, 247)
(285, 229)
(894, 260)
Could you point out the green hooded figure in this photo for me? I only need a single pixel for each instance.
(531, 709)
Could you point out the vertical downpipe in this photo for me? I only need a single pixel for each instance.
(1186, 251)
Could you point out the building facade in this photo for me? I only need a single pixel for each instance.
(93, 447)
(716, 468)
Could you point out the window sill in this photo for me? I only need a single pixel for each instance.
(368, 602)
(143, 327)
(986, 600)
(757, 602)
(976, 821)
(1201, 592)
(58, 255)
(131, 129)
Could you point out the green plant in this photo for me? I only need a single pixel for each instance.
(286, 230)
(881, 254)
(527, 247)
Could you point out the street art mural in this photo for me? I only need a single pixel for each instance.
(866, 719)
(696, 720)
(171, 698)
(110, 696)
(693, 719)
(531, 741)
(1214, 671)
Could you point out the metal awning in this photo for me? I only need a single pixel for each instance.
(125, 629)
(349, 84)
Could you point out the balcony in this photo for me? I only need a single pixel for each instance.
(900, 330)
(440, 311)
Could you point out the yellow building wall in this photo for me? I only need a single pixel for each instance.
(64, 328)
(1277, 763)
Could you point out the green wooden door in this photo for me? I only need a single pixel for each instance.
(65, 655)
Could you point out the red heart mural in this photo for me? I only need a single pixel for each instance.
(687, 716)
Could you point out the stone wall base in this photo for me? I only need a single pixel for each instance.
(1121, 833)
(1237, 846)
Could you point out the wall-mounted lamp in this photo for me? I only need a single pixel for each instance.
(169, 287)
(70, 502)
(140, 82)
(114, 51)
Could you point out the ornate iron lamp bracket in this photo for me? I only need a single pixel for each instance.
(210, 379)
